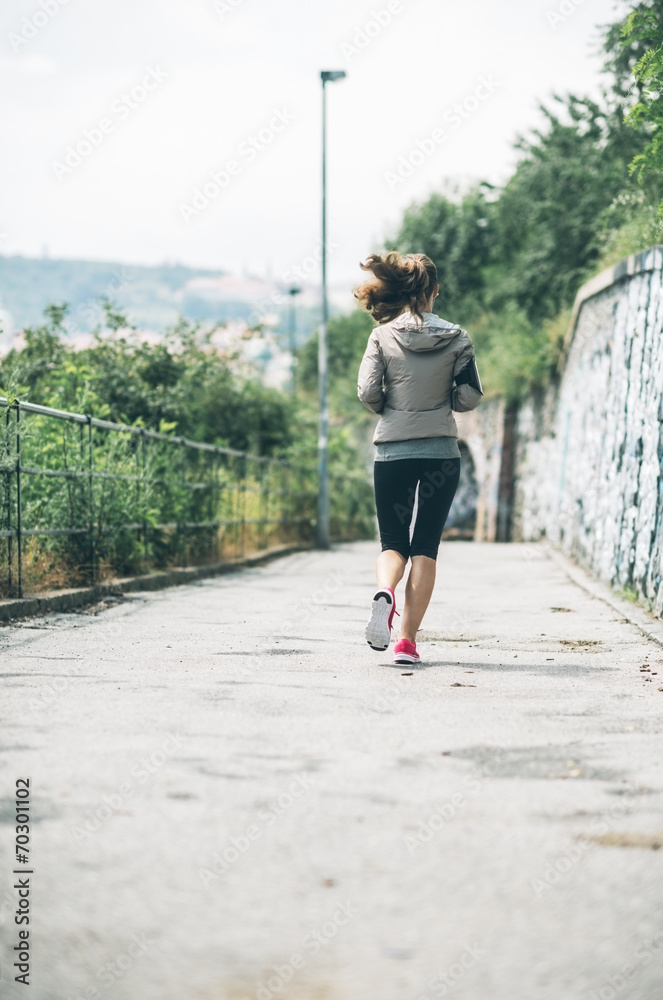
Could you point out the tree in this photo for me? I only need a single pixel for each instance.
(454, 231)
(625, 47)
(546, 218)
(642, 34)
(180, 381)
(346, 342)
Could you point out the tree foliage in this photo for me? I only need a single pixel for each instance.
(181, 382)
(625, 47)
(184, 386)
(346, 343)
(644, 31)
(455, 234)
(583, 194)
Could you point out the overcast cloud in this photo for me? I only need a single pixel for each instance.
(185, 90)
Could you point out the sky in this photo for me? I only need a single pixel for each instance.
(145, 131)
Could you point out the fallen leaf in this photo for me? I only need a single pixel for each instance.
(652, 841)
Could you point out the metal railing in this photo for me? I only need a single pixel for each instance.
(100, 498)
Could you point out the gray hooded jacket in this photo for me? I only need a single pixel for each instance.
(414, 375)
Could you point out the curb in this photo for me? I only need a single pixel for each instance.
(637, 615)
(68, 600)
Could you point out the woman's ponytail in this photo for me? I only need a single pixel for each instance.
(402, 282)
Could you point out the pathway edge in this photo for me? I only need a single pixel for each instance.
(637, 615)
(69, 600)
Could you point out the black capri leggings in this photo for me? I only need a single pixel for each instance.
(395, 489)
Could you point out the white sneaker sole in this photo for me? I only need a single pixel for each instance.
(406, 658)
(377, 629)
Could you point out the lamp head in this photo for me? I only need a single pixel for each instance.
(329, 75)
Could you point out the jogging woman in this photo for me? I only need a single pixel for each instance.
(417, 369)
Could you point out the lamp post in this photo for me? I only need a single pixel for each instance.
(327, 76)
(291, 332)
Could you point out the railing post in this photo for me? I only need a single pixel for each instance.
(263, 495)
(90, 488)
(244, 463)
(143, 494)
(19, 512)
(286, 511)
(184, 501)
(215, 505)
(228, 477)
(237, 503)
(8, 480)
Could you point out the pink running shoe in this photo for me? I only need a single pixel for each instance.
(406, 652)
(378, 628)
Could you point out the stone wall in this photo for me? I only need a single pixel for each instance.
(482, 430)
(589, 449)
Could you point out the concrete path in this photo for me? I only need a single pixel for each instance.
(234, 797)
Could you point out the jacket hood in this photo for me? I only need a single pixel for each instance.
(433, 334)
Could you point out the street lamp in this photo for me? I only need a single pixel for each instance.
(327, 76)
(291, 331)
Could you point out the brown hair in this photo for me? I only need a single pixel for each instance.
(403, 282)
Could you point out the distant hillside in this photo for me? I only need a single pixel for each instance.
(153, 296)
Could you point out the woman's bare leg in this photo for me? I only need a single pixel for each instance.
(418, 592)
(390, 568)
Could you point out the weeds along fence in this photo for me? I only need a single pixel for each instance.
(86, 499)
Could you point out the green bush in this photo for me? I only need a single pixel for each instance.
(145, 489)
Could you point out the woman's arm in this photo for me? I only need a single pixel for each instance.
(467, 392)
(371, 374)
